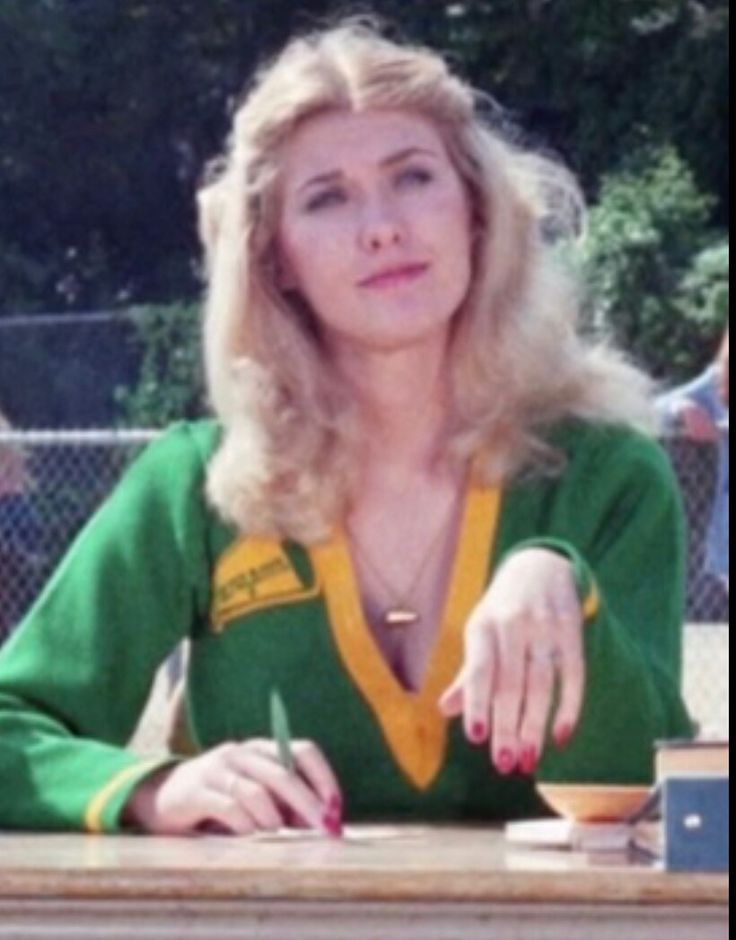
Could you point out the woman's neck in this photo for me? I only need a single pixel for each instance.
(404, 400)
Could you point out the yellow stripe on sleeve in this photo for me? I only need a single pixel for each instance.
(592, 603)
(96, 806)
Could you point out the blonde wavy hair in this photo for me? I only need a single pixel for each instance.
(287, 461)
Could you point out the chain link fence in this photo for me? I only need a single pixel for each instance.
(706, 637)
(696, 469)
(50, 484)
(61, 477)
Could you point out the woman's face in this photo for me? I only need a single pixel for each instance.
(374, 227)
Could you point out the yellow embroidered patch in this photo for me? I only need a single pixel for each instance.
(252, 574)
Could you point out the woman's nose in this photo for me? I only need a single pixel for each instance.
(380, 228)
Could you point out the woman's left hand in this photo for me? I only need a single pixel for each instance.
(526, 627)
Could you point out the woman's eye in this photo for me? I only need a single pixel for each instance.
(414, 176)
(324, 199)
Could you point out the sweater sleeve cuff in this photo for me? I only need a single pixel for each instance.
(104, 809)
(585, 582)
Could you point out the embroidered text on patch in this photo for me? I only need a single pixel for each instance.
(252, 574)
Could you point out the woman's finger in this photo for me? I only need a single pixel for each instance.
(478, 676)
(289, 788)
(255, 800)
(508, 696)
(450, 703)
(222, 810)
(570, 662)
(540, 673)
(312, 765)
(207, 809)
(571, 666)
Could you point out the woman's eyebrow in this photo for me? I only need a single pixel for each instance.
(406, 153)
(331, 176)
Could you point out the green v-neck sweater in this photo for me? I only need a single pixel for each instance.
(156, 564)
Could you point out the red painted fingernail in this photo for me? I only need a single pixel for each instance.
(562, 735)
(528, 759)
(506, 761)
(477, 731)
(335, 804)
(332, 825)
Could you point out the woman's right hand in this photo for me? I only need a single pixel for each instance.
(239, 788)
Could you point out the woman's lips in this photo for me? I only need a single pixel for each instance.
(394, 277)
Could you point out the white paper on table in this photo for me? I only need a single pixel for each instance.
(355, 834)
(567, 834)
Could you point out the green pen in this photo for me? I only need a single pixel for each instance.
(280, 731)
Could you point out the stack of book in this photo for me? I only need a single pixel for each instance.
(678, 758)
(685, 828)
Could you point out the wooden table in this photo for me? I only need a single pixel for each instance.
(438, 883)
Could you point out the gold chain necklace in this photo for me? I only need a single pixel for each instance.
(400, 613)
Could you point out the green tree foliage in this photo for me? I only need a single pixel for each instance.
(705, 288)
(170, 381)
(597, 79)
(657, 272)
(109, 110)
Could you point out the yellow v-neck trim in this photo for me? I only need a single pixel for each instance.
(411, 722)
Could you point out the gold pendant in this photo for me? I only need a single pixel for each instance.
(400, 617)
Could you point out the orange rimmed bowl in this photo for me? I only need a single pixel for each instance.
(593, 802)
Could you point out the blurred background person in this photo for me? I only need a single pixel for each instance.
(699, 411)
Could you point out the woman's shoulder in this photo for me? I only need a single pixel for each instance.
(173, 466)
(617, 448)
(191, 441)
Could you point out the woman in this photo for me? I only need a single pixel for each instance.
(421, 499)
